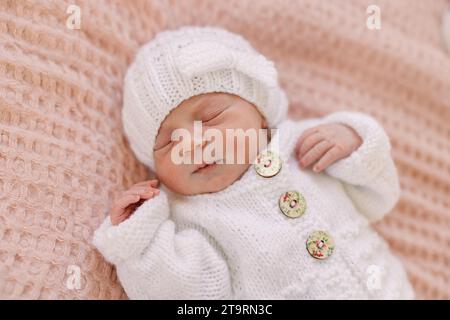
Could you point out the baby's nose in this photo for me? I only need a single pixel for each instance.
(198, 141)
(196, 148)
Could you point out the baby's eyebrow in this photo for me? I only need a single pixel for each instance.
(215, 105)
(201, 106)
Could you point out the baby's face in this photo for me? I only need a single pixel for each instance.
(219, 111)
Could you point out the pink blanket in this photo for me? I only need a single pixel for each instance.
(63, 155)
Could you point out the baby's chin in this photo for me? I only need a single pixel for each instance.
(208, 180)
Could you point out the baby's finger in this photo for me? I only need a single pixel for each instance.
(330, 156)
(150, 194)
(138, 190)
(151, 183)
(305, 134)
(122, 203)
(143, 191)
(308, 143)
(315, 153)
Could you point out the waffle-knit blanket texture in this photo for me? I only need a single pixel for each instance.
(63, 155)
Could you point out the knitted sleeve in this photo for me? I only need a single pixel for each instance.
(121, 242)
(369, 174)
(156, 261)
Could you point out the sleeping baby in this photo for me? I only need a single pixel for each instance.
(246, 203)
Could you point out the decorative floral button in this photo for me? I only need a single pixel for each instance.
(292, 204)
(267, 164)
(320, 244)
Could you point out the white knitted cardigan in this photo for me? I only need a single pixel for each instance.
(237, 244)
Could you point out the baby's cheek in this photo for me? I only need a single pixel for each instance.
(172, 176)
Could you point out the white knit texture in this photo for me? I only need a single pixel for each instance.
(179, 64)
(237, 244)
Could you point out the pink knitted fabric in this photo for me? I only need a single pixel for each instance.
(63, 155)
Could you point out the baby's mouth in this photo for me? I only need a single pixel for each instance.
(204, 167)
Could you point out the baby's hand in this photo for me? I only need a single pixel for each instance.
(132, 198)
(325, 144)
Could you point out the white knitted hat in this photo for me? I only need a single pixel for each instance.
(179, 64)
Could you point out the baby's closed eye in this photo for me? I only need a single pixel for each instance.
(212, 115)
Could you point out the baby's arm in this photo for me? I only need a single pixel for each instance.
(155, 261)
(369, 174)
